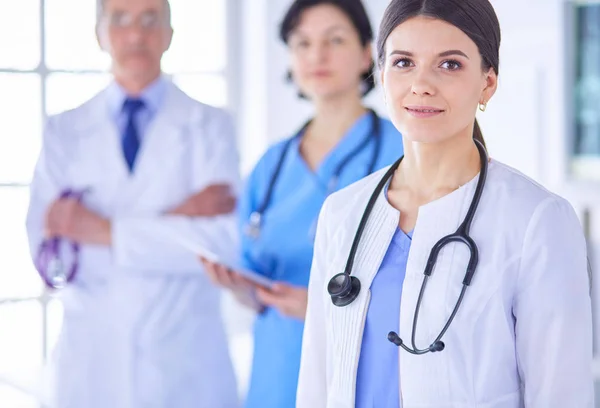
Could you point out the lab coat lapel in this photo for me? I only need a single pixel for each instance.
(435, 220)
(349, 321)
(377, 236)
(161, 148)
(98, 165)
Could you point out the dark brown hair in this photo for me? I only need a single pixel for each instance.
(476, 18)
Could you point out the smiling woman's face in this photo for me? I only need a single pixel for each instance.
(433, 80)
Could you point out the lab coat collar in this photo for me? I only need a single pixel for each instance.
(152, 96)
(164, 139)
(97, 116)
(434, 221)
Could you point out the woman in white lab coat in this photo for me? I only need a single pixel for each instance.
(504, 319)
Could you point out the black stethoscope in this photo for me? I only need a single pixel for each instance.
(255, 222)
(344, 288)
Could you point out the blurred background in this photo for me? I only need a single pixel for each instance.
(544, 120)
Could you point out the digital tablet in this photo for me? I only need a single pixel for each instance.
(209, 255)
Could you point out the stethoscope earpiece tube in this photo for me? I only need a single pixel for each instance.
(436, 346)
(255, 224)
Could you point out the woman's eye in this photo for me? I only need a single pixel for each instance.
(451, 65)
(337, 40)
(403, 63)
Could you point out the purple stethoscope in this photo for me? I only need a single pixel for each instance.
(48, 261)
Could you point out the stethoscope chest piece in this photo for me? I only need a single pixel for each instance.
(254, 224)
(343, 289)
(56, 273)
(48, 261)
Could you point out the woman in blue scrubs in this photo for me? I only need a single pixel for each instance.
(331, 63)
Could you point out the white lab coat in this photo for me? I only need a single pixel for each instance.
(142, 325)
(523, 335)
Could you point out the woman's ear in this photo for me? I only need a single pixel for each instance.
(491, 84)
(382, 83)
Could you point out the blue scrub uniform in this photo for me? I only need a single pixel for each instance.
(377, 382)
(284, 249)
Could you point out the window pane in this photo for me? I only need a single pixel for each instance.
(20, 127)
(199, 42)
(587, 92)
(17, 274)
(20, 352)
(71, 36)
(20, 34)
(11, 397)
(210, 89)
(67, 91)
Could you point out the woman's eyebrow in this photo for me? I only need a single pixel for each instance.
(441, 54)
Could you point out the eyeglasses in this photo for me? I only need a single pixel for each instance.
(147, 21)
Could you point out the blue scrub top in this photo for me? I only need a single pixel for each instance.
(377, 382)
(284, 249)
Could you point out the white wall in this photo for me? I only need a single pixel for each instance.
(524, 115)
(529, 95)
(525, 125)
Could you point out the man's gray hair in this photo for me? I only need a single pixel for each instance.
(100, 10)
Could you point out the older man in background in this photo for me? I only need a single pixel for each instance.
(142, 325)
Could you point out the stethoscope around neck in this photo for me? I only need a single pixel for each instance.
(344, 288)
(254, 225)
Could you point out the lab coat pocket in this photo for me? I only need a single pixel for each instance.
(491, 283)
(512, 399)
(448, 281)
(483, 322)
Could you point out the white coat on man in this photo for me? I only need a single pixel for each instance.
(142, 326)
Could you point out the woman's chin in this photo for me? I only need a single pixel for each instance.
(423, 136)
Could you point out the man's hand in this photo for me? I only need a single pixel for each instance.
(67, 218)
(214, 200)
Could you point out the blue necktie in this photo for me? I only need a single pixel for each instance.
(131, 140)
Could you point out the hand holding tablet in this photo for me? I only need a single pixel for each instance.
(232, 267)
(230, 276)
